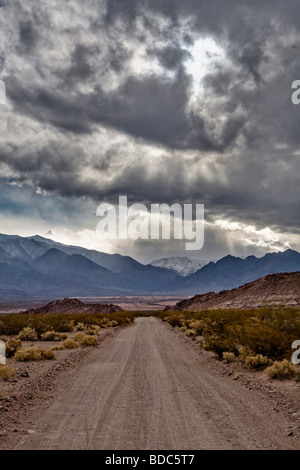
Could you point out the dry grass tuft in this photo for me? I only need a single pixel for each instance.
(282, 370)
(34, 354)
(28, 334)
(7, 372)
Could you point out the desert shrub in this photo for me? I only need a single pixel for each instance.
(28, 334)
(60, 322)
(266, 331)
(257, 362)
(228, 356)
(282, 370)
(113, 323)
(6, 372)
(265, 340)
(219, 344)
(12, 324)
(47, 354)
(88, 340)
(54, 336)
(80, 326)
(92, 329)
(244, 352)
(198, 326)
(174, 320)
(190, 332)
(12, 346)
(63, 336)
(34, 354)
(69, 344)
(103, 322)
(78, 336)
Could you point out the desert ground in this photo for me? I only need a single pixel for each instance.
(147, 386)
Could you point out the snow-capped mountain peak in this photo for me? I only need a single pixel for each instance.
(181, 264)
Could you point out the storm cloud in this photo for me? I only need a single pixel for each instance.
(162, 101)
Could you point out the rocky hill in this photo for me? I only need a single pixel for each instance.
(74, 306)
(272, 290)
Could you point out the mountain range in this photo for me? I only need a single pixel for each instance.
(230, 272)
(38, 267)
(35, 267)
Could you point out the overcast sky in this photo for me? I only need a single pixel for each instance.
(163, 101)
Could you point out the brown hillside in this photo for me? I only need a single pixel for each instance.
(272, 290)
(74, 306)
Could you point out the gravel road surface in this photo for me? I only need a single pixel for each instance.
(145, 388)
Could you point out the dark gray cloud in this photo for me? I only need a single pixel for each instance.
(102, 102)
(27, 36)
(150, 108)
(125, 10)
(81, 69)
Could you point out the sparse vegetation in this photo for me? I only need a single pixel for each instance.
(89, 329)
(67, 344)
(6, 372)
(80, 326)
(28, 334)
(113, 323)
(244, 352)
(88, 340)
(48, 354)
(34, 354)
(282, 370)
(92, 329)
(257, 362)
(13, 324)
(54, 336)
(228, 356)
(12, 346)
(190, 332)
(78, 336)
(257, 337)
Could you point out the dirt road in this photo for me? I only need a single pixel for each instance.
(145, 388)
